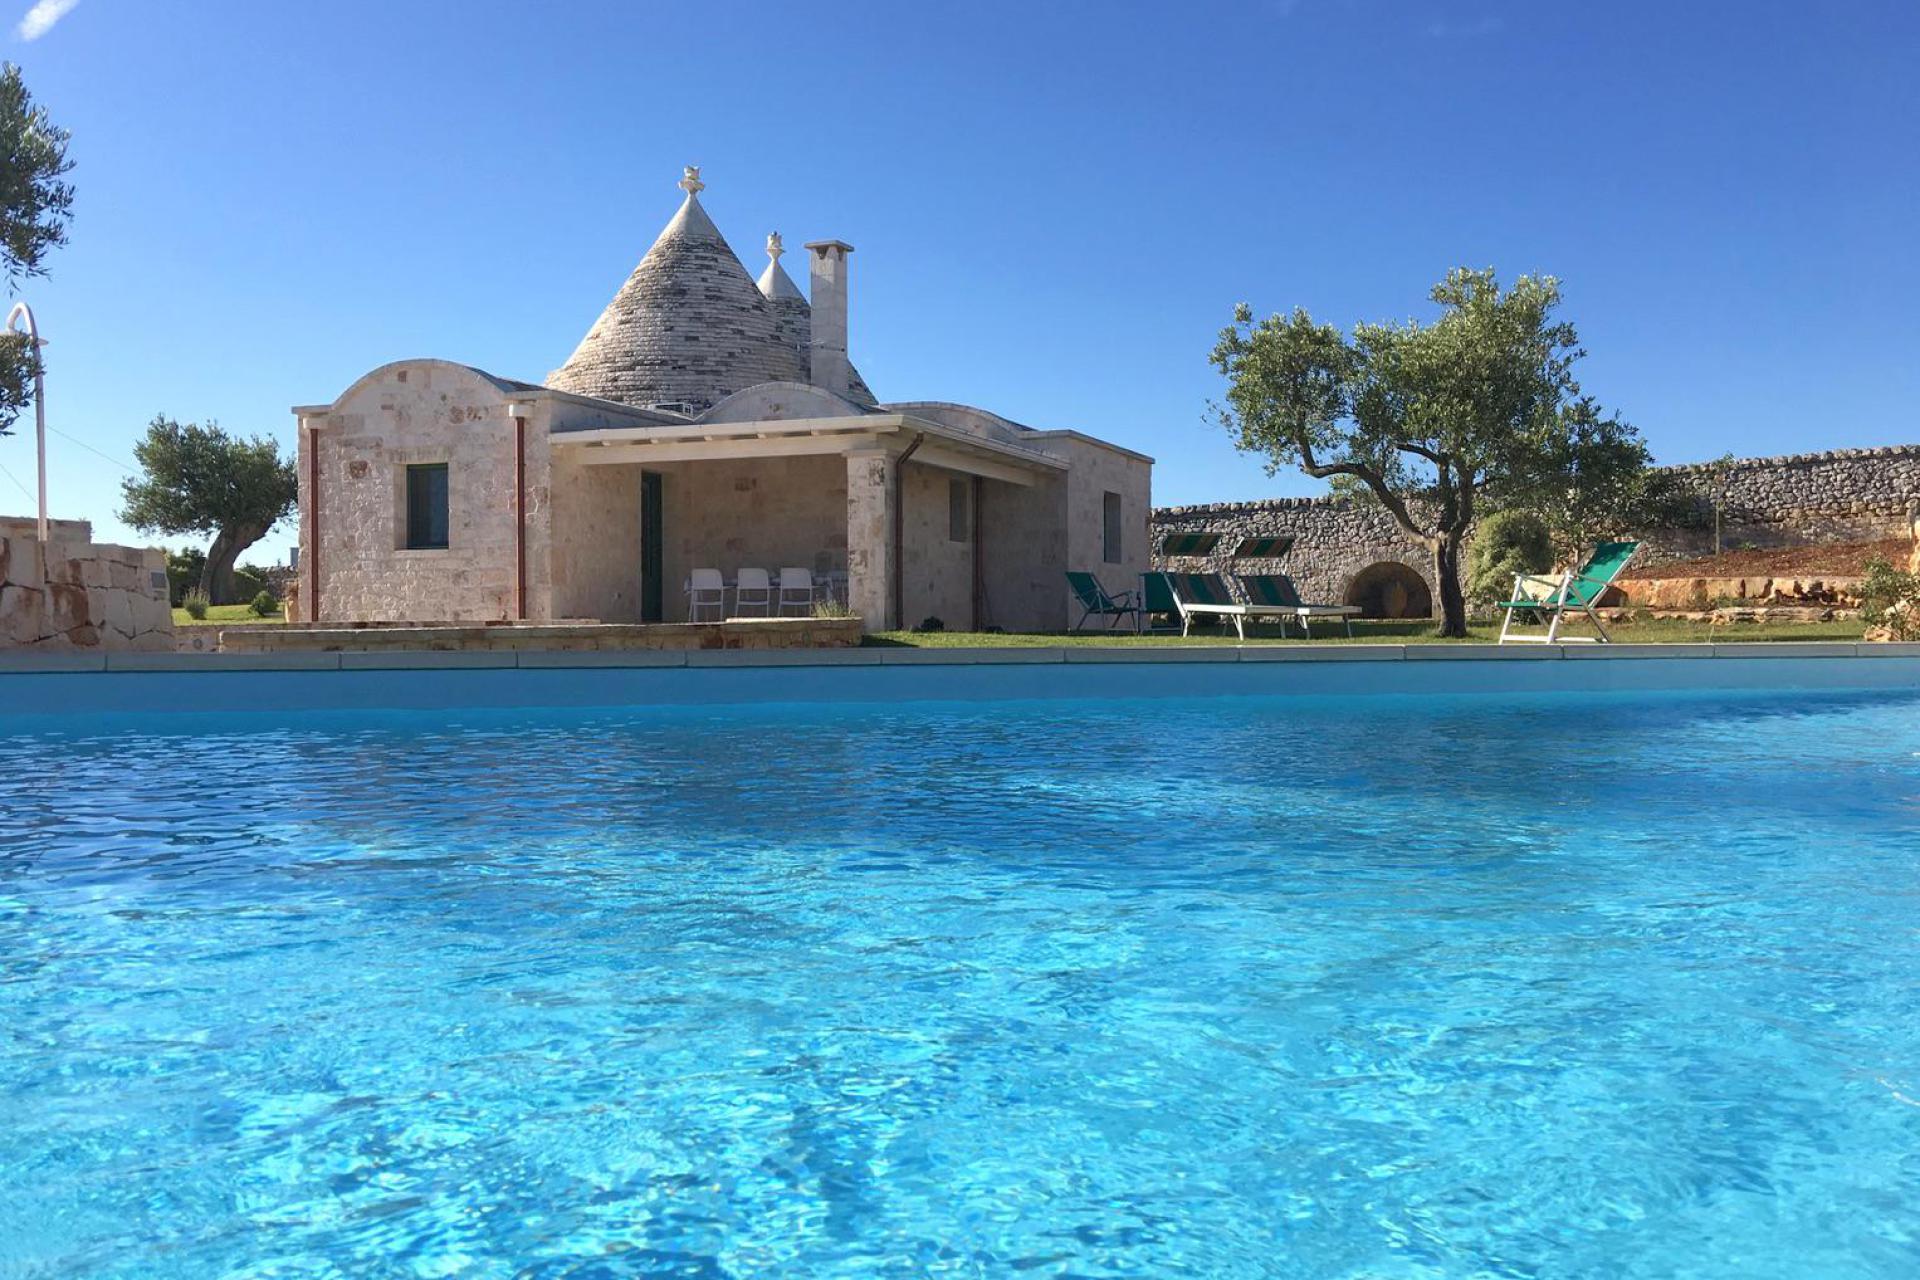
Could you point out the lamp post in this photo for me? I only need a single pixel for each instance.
(22, 312)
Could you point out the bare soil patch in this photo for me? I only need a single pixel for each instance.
(1843, 559)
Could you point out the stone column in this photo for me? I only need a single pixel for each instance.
(870, 499)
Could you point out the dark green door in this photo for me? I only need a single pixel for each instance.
(652, 599)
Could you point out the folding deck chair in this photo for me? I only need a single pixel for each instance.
(1549, 598)
(1096, 602)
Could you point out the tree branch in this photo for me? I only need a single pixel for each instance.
(1392, 501)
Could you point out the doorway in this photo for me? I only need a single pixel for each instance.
(652, 544)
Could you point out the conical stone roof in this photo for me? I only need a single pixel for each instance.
(689, 327)
(793, 319)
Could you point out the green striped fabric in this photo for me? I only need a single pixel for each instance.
(1158, 593)
(1189, 544)
(1598, 573)
(1274, 589)
(1202, 588)
(1264, 548)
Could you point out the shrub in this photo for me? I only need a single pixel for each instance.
(833, 609)
(1890, 601)
(262, 604)
(248, 581)
(930, 624)
(195, 603)
(183, 573)
(1506, 543)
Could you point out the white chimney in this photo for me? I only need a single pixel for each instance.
(828, 268)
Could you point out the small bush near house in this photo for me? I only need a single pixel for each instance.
(183, 573)
(248, 581)
(1890, 602)
(1506, 543)
(832, 609)
(195, 602)
(929, 625)
(263, 604)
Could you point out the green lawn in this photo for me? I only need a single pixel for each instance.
(1643, 632)
(223, 613)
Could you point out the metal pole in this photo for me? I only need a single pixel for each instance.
(22, 310)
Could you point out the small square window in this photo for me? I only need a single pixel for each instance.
(959, 510)
(427, 506)
(1110, 509)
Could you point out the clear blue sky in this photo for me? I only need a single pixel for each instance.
(1055, 205)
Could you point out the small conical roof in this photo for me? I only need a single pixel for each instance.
(793, 319)
(689, 327)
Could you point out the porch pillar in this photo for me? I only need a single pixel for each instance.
(870, 498)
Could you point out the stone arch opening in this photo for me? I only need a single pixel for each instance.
(1390, 589)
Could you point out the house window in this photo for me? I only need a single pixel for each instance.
(1111, 511)
(959, 510)
(427, 506)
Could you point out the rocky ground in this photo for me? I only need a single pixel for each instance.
(1835, 559)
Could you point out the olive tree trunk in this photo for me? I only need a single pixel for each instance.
(1446, 577)
(216, 576)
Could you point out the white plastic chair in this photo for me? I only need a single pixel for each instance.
(796, 590)
(706, 589)
(752, 589)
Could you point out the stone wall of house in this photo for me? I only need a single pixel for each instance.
(75, 593)
(1800, 499)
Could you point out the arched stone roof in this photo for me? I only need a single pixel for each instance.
(689, 326)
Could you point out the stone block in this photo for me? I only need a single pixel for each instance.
(22, 614)
(66, 605)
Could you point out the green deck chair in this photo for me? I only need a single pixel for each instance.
(1096, 602)
(1551, 598)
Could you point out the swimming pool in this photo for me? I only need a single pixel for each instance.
(1589, 984)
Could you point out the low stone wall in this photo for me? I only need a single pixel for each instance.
(75, 593)
(583, 637)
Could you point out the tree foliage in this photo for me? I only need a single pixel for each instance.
(1440, 423)
(201, 480)
(35, 206)
(1505, 544)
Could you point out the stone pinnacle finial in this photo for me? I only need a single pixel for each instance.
(690, 181)
(774, 247)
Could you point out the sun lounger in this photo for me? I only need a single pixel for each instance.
(1276, 591)
(1204, 596)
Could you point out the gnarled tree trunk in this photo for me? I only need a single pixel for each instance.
(1446, 577)
(216, 576)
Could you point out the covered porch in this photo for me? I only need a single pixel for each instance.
(904, 518)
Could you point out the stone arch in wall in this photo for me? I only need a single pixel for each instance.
(1390, 589)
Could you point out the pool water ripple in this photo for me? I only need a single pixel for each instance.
(1457, 987)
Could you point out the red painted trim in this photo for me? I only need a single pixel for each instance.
(520, 517)
(313, 525)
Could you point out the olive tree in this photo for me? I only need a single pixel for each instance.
(201, 480)
(35, 205)
(1441, 422)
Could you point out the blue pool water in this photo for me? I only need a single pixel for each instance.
(1577, 986)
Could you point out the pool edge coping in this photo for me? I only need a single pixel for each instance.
(71, 663)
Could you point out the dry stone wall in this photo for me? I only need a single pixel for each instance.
(1796, 500)
(74, 593)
